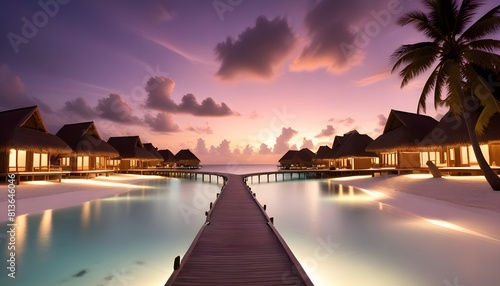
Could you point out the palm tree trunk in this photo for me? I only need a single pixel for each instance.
(489, 174)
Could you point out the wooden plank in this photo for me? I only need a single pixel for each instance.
(238, 246)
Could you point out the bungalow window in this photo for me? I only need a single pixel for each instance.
(464, 157)
(452, 154)
(99, 162)
(133, 163)
(484, 150)
(82, 162)
(65, 161)
(40, 161)
(17, 160)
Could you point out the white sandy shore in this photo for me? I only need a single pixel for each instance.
(37, 196)
(467, 202)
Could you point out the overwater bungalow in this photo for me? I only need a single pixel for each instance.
(169, 160)
(349, 151)
(323, 158)
(90, 154)
(27, 148)
(153, 150)
(132, 154)
(448, 144)
(297, 159)
(186, 159)
(399, 142)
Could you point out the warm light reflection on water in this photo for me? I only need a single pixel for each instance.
(346, 236)
(21, 233)
(85, 215)
(45, 230)
(131, 239)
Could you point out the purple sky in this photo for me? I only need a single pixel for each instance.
(236, 81)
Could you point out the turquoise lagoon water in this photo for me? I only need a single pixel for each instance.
(340, 235)
(129, 239)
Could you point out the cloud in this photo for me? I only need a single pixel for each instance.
(79, 107)
(336, 40)
(327, 132)
(12, 90)
(282, 142)
(257, 52)
(208, 107)
(115, 108)
(248, 150)
(264, 149)
(162, 122)
(381, 123)
(307, 143)
(160, 89)
(373, 79)
(201, 147)
(346, 121)
(222, 150)
(200, 130)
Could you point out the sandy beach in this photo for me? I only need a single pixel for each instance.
(37, 196)
(467, 202)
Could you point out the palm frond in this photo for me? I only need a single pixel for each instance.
(486, 60)
(443, 15)
(486, 25)
(408, 53)
(417, 67)
(467, 11)
(421, 23)
(488, 45)
(479, 88)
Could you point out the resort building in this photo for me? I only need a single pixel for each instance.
(186, 159)
(169, 160)
(132, 154)
(399, 144)
(349, 151)
(448, 144)
(153, 150)
(26, 147)
(297, 159)
(323, 158)
(90, 154)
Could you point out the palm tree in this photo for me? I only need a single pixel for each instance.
(458, 56)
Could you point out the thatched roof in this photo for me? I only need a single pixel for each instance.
(403, 131)
(353, 144)
(451, 131)
(324, 152)
(130, 147)
(186, 155)
(167, 155)
(296, 157)
(152, 149)
(84, 139)
(24, 129)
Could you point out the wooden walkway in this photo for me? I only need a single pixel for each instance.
(238, 246)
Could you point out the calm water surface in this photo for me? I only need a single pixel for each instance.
(130, 239)
(342, 236)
